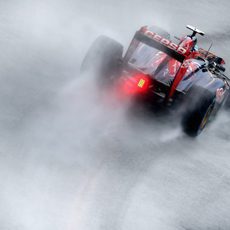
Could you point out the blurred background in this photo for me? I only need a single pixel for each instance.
(70, 161)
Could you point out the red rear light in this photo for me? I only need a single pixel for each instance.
(138, 83)
(143, 83)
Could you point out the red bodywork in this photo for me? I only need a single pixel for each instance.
(185, 49)
(188, 44)
(178, 58)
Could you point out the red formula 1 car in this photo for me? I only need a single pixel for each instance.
(166, 73)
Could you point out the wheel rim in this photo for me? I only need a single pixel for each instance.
(206, 117)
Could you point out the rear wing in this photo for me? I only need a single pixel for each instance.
(160, 43)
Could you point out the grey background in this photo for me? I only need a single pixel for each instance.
(69, 161)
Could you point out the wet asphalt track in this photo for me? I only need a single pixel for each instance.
(68, 161)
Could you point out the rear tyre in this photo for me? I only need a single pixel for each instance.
(199, 111)
(103, 59)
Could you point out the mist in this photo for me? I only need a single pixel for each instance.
(70, 157)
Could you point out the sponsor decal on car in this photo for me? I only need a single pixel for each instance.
(165, 42)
